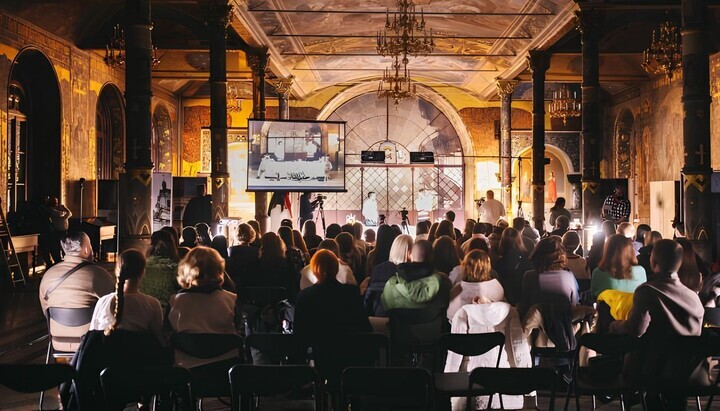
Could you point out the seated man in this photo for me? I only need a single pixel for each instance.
(76, 282)
(663, 306)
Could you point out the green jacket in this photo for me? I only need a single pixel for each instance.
(415, 286)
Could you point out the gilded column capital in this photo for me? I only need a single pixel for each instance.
(506, 88)
(283, 85)
(216, 11)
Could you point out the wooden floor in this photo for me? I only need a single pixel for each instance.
(23, 339)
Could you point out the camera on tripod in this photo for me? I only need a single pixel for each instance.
(404, 214)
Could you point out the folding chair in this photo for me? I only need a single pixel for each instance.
(252, 300)
(250, 382)
(169, 386)
(455, 384)
(514, 381)
(604, 374)
(366, 388)
(274, 348)
(31, 378)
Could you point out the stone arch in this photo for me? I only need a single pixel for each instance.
(34, 130)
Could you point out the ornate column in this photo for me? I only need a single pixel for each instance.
(135, 208)
(505, 90)
(283, 86)
(696, 128)
(258, 62)
(588, 22)
(539, 62)
(217, 15)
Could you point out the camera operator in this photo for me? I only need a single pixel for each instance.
(307, 207)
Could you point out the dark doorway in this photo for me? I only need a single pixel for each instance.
(34, 121)
(110, 133)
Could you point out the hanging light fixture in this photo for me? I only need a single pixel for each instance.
(115, 50)
(394, 85)
(404, 35)
(564, 105)
(665, 52)
(234, 102)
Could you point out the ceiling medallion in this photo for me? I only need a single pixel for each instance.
(115, 50)
(564, 105)
(395, 86)
(664, 54)
(404, 35)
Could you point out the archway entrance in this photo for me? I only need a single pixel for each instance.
(34, 127)
(110, 133)
(416, 125)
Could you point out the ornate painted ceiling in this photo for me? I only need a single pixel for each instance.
(331, 42)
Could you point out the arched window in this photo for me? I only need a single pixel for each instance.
(110, 133)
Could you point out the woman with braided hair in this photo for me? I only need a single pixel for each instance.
(127, 308)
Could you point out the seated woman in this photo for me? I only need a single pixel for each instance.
(243, 258)
(161, 268)
(344, 275)
(127, 308)
(399, 254)
(618, 269)
(575, 263)
(202, 306)
(549, 282)
(328, 308)
(477, 285)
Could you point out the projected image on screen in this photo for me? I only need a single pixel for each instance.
(296, 155)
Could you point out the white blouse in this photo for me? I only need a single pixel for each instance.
(141, 313)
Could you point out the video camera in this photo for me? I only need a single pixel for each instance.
(480, 202)
(404, 214)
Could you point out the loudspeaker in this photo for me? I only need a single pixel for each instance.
(422, 157)
(372, 157)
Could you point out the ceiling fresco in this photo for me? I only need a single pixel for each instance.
(323, 43)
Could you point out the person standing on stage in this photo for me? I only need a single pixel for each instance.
(370, 210)
(306, 208)
(491, 209)
(616, 207)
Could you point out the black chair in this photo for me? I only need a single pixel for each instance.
(30, 378)
(367, 388)
(712, 317)
(274, 348)
(169, 386)
(252, 300)
(209, 380)
(514, 381)
(250, 382)
(63, 343)
(414, 333)
(604, 373)
(455, 384)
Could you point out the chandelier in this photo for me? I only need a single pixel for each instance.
(115, 50)
(396, 86)
(234, 102)
(564, 105)
(664, 54)
(405, 34)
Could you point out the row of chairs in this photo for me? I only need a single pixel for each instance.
(362, 388)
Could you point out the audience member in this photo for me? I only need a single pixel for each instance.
(469, 228)
(202, 306)
(502, 223)
(292, 253)
(173, 233)
(417, 284)
(243, 258)
(558, 210)
(549, 282)
(219, 243)
(369, 235)
(477, 285)
(189, 237)
(528, 242)
(344, 275)
(627, 230)
(385, 237)
(639, 240)
(300, 244)
(286, 222)
(562, 224)
(475, 243)
(512, 264)
(445, 258)
(576, 264)
(59, 219)
(618, 269)
(128, 308)
(348, 253)
(258, 233)
(312, 240)
(689, 273)
(450, 216)
(445, 227)
(422, 229)
(203, 234)
(609, 228)
(333, 230)
(75, 282)
(160, 279)
(710, 292)
(329, 308)
(432, 232)
(400, 253)
(596, 251)
(358, 234)
(274, 268)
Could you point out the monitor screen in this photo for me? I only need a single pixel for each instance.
(289, 155)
